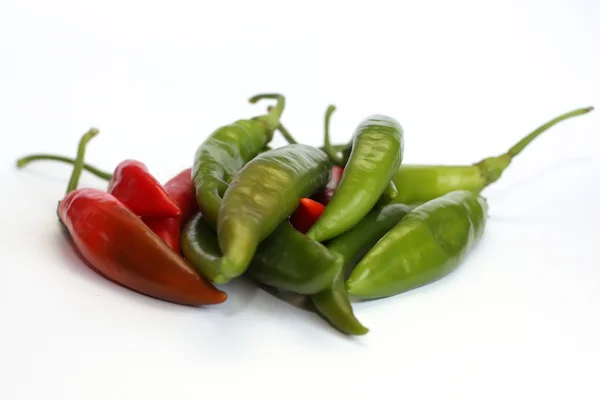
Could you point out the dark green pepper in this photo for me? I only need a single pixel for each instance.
(264, 193)
(334, 304)
(219, 158)
(426, 245)
(289, 260)
(421, 183)
(377, 151)
(286, 259)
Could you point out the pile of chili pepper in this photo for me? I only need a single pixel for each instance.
(334, 224)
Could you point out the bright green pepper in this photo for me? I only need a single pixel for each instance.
(261, 196)
(219, 158)
(333, 304)
(421, 183)
(426, 245)
(377, 151)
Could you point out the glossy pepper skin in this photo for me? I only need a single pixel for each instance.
(324, 196)
(421, 183)
(181, 190)
(306, 214)
(200, 247)
(121, 247)
(334, 303)
(133, 184)
(117, 244)
(305, 267)
(377, 152)
(263, 194)
(426, 245)
(219, 158)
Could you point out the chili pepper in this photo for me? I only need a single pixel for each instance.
(426, 245)
(219, 158)
(377, 151)
(305, 267)
(306, 214)
(133, 185)
(286, 259)
(421, 183)
(333, 303)
(117, 244)
(180, 190)
(389, 194)
(264, 193)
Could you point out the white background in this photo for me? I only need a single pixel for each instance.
(466, 79)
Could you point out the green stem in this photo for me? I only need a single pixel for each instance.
(492, 168)
(286, 134)
(329, 149)
(78, 166)
(517, 148)
(24, 161)
(272, 119)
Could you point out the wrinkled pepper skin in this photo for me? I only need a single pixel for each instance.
(305, 267)
(426, 245)
(376, 155)
(121, 247)
(333, 303)
(418, 184)
(264, 193)
(219, 158)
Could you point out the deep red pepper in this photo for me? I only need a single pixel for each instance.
(306, 214)
(133, 184)
(116, 243)
(324, 196)
(121, 247)
(181, 190)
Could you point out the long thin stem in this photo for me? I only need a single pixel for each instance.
(274, 115)
(24, 161)
(78, 167)
(329, 149)
(286, 134)
(522, 144)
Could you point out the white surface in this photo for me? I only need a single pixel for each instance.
(466, 79)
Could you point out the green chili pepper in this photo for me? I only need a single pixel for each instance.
(286, 259)
(421, 183)
(426, 245)
(377, 151)
(262, 195)
(333, 303)
(200, 247)
(305, 267)
(226, 151)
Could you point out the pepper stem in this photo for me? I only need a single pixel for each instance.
(517, 148)
(78, 165)
(286, 134)
(492, 167)
(331, 151)
(274, 115)
(24, 161)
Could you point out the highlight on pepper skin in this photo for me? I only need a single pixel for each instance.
(333, 224)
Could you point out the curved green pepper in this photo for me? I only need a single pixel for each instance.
(333, 303)
(219, 158)
(421, 183)
(426, 245)
(377, 151)
(200, 247)
(289, 260)
(261, 196)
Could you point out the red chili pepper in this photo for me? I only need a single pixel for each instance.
(307, 213)
(117, 244)
(133, 184)
(181, 190)
(324, 196)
